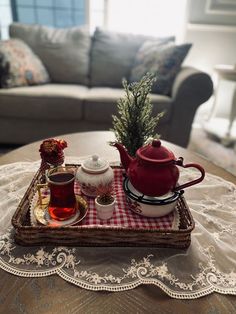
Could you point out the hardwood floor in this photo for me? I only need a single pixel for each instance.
(213, 150)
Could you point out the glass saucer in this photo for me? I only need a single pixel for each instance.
(42, 215)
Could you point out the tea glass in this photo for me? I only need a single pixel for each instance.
(62, 203)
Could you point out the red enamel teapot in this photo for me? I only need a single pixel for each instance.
(154, 170)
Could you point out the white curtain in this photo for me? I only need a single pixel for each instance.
(5, 18)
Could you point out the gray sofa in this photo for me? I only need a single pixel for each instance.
(86, 73)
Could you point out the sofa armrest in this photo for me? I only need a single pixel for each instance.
(191, 88)
(191, 82)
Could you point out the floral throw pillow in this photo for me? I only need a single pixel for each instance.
(19, 66)
(164, 60)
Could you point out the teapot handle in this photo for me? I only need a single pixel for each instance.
(179, 162)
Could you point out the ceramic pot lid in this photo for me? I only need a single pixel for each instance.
(95, 165)
(155, 152)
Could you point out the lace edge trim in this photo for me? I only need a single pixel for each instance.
(116, 288)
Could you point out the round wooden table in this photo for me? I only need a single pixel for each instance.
(54, 295)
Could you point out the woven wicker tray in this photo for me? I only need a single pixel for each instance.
(105, 235)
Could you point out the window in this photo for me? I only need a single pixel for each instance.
(5, 18)
(148, 17)
(97, 18)
(57, 13)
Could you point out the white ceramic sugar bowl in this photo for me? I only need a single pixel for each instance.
(93, 172)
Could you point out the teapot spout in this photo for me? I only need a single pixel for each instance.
(124, 156)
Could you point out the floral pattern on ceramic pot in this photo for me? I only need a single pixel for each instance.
(93, 172)
(19, 66)
(134, 206)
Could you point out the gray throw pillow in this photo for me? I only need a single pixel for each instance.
(163, 60)
(64, 52)
(112, 56)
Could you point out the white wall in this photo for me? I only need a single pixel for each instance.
(212, 30)
(211, 27)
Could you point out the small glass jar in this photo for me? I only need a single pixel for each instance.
(93, 172)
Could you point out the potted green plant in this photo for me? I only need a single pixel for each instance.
(105, 201)
(134, 124)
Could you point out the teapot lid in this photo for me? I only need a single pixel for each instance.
(95, 164)
(155, 152)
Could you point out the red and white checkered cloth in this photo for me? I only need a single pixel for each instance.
(123, 216)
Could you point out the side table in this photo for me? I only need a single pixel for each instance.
(54, 295)
(221, 122)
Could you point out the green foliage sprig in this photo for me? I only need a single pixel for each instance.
(134, 123)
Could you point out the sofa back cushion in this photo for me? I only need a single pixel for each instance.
(163, 60)
(112, 56)
(19, 66)
(64, 52)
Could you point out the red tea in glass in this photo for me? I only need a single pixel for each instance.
(62, 204)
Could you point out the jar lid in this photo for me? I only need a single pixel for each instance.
(155, 152)
(95, 165)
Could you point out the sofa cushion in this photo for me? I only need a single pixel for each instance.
(112, 56)
(19, 66)
(164, 60)
(64, 52)
(42, 102)
(101, 103)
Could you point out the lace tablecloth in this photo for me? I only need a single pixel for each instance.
(208, 265)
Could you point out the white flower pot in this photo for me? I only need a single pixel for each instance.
(104, 212)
